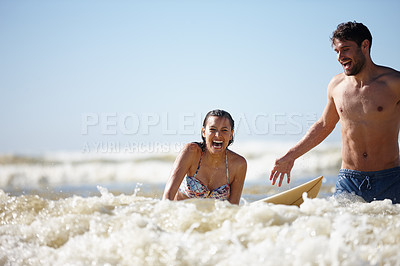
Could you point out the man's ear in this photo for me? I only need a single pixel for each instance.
(365, 45)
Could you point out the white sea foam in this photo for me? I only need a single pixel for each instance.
(132, 230)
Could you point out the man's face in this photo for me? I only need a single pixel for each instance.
(350, 56)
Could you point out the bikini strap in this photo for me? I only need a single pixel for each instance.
(198, 166)
(227, 170)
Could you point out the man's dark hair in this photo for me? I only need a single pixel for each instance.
(352, 31)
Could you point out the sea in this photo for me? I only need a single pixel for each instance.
(104, 207)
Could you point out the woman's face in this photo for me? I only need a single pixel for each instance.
(217, 133)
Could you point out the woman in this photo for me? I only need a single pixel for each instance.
(209, 169)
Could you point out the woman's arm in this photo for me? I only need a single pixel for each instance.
(238, 181)
(180, 169)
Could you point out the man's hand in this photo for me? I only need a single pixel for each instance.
(282, 166)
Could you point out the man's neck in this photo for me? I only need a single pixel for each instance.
(366, 75)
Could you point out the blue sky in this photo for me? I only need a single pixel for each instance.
(76, 72)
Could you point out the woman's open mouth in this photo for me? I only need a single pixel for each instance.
(217, 144)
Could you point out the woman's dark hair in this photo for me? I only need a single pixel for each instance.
(352, 31)
(219, 113)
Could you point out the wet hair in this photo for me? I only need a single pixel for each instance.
(219, 113)
(352, 31)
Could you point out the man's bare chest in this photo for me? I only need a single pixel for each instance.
(366, 103)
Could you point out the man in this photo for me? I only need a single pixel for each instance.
(366, 99)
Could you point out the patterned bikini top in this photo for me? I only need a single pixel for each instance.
(194, 188)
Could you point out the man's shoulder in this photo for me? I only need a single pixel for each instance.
(336, 80)
(387, 73)
(389, 76)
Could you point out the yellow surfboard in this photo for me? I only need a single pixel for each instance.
(294, 196)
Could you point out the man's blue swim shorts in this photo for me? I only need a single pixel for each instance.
(377, 185)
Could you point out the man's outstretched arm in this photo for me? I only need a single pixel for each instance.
(314, 136)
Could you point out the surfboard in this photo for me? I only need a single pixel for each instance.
(294, 196)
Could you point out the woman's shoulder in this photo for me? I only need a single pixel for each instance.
(192, 149)
(237, 159)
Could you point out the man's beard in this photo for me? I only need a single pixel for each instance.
(358, 64)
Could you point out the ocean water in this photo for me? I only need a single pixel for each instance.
(117, 170)
(105, 209)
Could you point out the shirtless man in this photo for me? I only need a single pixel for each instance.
(366, 99)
